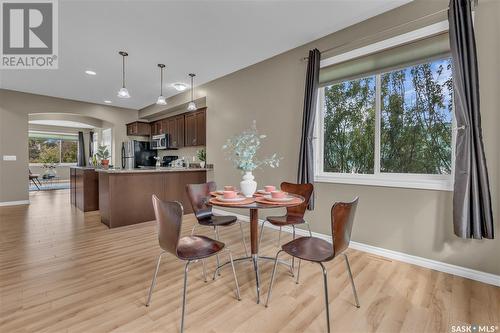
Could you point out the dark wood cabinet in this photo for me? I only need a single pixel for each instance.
(84, 188)
(195, 126)
(139, 128)
(158, 127)
(175, 131)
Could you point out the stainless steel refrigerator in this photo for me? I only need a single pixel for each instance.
(137, 154)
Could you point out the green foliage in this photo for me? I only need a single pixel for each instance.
(202, 155)
(103, 152)
(415, 128)
(50, 155)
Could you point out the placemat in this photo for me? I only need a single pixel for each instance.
(295, 201)
(247, 201)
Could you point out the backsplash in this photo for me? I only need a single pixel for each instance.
(187, 152)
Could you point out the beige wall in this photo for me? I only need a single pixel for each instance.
(14, 110)
(417, 222)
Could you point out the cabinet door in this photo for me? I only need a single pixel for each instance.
(200, 128)
(153, 128)
(179, 122)
(190, 127)
(172, 133)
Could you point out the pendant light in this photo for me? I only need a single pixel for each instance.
(192, 104)
(123, 92)
(161, 99)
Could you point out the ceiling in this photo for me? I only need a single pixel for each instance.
(63, 123)
(209, 38)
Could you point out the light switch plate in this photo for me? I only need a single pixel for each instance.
(9, 157)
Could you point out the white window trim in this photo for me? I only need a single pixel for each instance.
(401, 180)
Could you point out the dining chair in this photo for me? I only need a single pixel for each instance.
(199, 196)
(319, 251)
(188, 248)
(34, 177)
(294, 215)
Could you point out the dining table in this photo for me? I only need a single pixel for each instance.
(254, 204)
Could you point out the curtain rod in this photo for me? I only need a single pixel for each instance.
(474, 5)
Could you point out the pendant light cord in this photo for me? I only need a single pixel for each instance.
(192, 88)
(161, 81)
(123, 71)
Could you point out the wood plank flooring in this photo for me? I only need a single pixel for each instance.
(64, 271)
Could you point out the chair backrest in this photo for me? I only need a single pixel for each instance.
(199, 194)
(342, 220)
(169, 219)
(304, 190)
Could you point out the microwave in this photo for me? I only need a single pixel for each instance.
(159, 141)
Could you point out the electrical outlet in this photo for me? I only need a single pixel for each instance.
(9, 157)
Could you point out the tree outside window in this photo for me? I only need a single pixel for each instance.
(50, 148)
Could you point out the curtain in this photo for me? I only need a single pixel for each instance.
(306, 158)
(91, 144)
(472, 211)
(81, 150)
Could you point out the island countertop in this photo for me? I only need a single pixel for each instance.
(149, 170)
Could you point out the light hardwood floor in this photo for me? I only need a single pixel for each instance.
(64, 271)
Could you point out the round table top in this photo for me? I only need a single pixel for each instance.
(261, 205)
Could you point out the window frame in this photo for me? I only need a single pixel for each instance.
(58, 164)
(378, 178)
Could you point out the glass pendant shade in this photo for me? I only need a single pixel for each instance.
(191, 106)
(161, 100)
(123, 93)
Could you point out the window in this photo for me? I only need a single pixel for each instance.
(107, 140)
(391, 126)
(52, 148)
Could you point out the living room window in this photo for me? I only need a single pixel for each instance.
(52, 148)
(386, 118)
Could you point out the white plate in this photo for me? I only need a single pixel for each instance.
(263, 192)
(285, 199)
(237, 199)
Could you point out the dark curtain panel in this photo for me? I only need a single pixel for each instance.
(81, 150)
(306, 158)
(472, 212)
(91, 144)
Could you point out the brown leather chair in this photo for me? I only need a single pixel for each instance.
(199, 195)
(319, 251)
(294, 215)
(189, 248)
(34, 177)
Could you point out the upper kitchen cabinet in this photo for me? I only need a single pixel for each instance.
(195, 126)
(175, 130)
(138, 128)
(158, 127)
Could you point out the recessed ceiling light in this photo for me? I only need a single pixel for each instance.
(179, 86)
(107, 102)
(88, 72)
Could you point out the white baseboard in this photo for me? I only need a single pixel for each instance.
(14, 203)
(395, 255)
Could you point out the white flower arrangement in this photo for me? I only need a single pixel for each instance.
(242, 150)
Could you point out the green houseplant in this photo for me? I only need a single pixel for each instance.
(103, 154)
(202, 156)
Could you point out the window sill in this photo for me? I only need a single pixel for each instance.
(56, 164)
(423, 182)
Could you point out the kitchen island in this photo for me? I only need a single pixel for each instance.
(84, 188)
(125, 195)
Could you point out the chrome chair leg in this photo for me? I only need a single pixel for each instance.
(272, 278)
(204, 270)
(309, 228)
(255, 259)
(325, 281)
(261, 232)
(298, 273)
(279, 238)
(216, 231)
(153, 282)
(352, 280)
(243, 239)
(186, 268)
(234, 274)
(192, 230)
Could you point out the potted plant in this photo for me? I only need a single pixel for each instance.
(202, 156)
(103, 154)
(242, 150)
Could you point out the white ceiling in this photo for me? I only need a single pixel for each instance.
(63, 123)
(209, 38)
